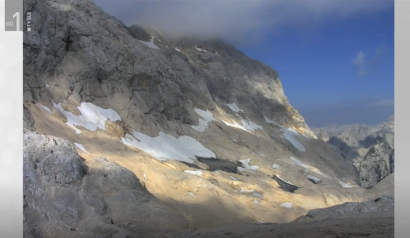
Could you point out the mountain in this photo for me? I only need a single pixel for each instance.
(130, 133)
(370, 148)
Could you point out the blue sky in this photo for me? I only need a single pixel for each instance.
(335, 60)
(339, 72)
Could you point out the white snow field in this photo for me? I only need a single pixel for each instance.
(92, 116)
(289, 135)
(166, 147)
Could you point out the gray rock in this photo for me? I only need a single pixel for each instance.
(379, 207)
(352, 142)
(92, 57)
(28, 121)
(377, 164)
(64, 196)
(321, 133)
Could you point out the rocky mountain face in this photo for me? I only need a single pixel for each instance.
(377, 164)
(130, 133)
(370, 148)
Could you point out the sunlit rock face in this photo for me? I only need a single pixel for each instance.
(186, 132)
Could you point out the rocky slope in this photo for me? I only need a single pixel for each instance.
(370, 148)
(346, 220)
(188, 132)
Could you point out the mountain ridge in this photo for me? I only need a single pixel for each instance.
(168, 122)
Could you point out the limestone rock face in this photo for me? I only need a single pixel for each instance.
(322, 134)
(135, 104)
(85, 55)
(67, 197)
(377, 165)
(356, 142)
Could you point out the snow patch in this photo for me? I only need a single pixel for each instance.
(255, 201)
(275, 166)
(289, 134)
(44, 107)
(250, 126)
(247, 167)
(199, 49)
(234, 107)
(299, 163)
(270, 121)
(47, 86)
(235, 125)
(207, 117)
(246, 191)
(258, 195)
(247, 125)
(176, 48)
(197, 172)
(150, 43)
(164, 147)
(81, 147)
(343, 184)
(287, 205)
(91, 118)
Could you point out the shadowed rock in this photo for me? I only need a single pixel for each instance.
(218, 164)
(284, 185)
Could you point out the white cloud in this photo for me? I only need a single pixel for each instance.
(366, 66)
(236, 20)
(359, 59)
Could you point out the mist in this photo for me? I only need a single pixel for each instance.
(236, 21)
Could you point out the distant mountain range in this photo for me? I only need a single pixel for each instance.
(368, 147)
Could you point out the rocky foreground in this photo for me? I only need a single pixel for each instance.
(65, 196)
(129, 133)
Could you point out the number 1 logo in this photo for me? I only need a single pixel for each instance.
(17, 16)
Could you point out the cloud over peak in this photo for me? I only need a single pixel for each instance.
(235, 20)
